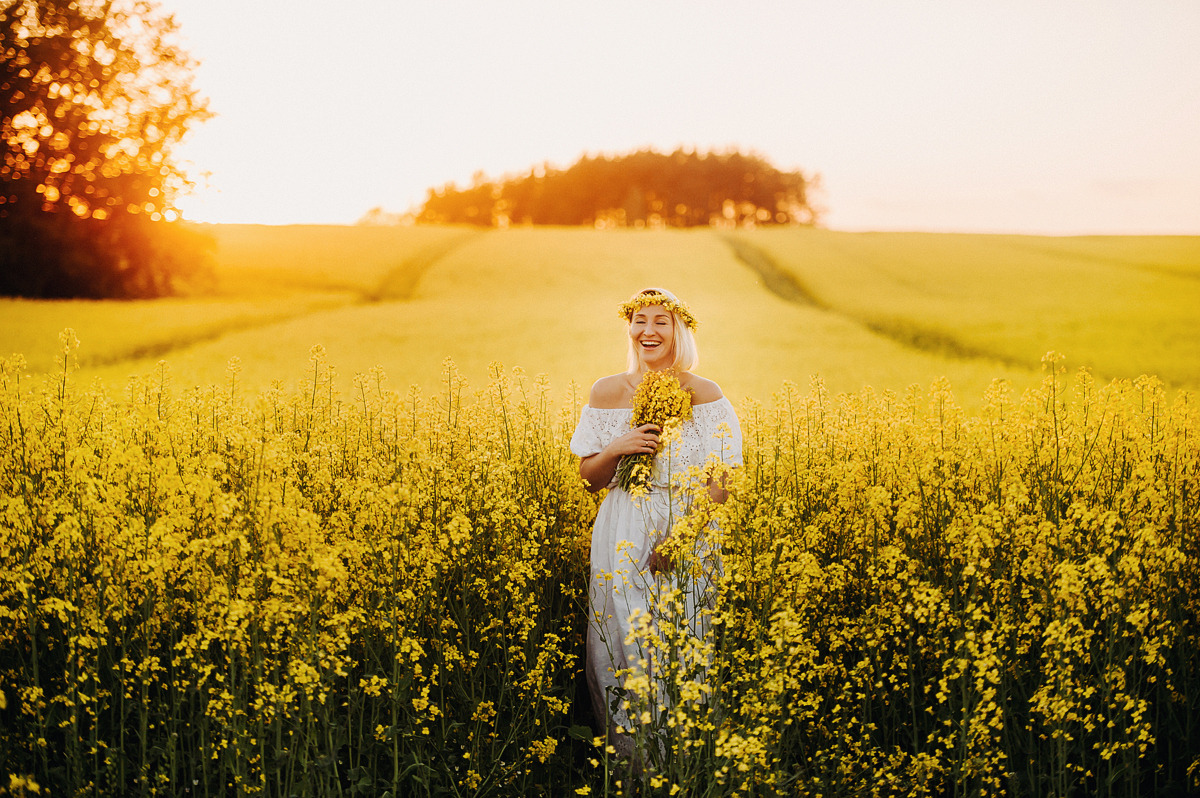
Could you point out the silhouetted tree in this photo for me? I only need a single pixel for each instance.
(682, 189)
(94, 96)
(475, 205)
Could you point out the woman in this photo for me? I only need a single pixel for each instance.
(629, 562)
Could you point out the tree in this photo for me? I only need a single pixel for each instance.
(682, 189)
(94, 97)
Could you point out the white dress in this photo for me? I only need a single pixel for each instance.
(626, 531)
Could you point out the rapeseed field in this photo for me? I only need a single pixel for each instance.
(314, 590)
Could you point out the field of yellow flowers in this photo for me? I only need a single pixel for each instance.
(212, 591)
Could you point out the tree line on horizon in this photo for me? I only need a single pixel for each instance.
(685, 188)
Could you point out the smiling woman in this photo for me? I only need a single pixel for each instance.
(683, 434)
(651, 336)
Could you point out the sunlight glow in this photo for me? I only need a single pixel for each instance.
(1025, 117)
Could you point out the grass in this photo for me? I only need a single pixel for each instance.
(120, 332)
(371, 262)
(887, 310)
(266, 278)
(1123, 306)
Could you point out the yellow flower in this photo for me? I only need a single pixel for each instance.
(645, 300)
(661, 400)
(543, 749)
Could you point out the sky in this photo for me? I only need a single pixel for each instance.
(1046, 117)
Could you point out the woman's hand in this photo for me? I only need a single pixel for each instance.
(659, 562)
(641, 440)
(598, 469)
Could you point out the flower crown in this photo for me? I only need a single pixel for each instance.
(645, 300)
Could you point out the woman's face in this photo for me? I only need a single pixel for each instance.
(653, 334)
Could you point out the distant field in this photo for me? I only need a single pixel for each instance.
(886, 310)
(1123, 305)
(266, 276)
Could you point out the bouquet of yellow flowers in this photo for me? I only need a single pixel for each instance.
(659, 399)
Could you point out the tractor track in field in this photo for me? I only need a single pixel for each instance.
(787, 286)
(399, 284)
(203, 335)
(1157, 269)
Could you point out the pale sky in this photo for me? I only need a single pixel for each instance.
(1037, 117)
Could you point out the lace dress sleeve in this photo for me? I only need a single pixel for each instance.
(587, 439)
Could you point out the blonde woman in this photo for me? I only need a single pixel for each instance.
(627, 558)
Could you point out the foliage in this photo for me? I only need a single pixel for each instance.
(645, 188)
(305, 593)
(290, 593)
(918, 602)
(94, 96)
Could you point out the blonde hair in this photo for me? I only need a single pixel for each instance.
(683, 342)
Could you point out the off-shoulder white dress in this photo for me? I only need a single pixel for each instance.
(627, 529)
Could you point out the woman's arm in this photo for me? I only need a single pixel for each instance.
(717, 490)
(598, 469)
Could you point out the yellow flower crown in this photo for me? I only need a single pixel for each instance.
(645, 300)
